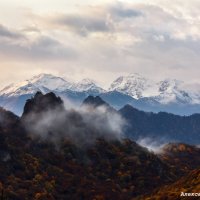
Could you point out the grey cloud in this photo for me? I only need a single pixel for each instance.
(42, 48)
(159, 47)
(5, 32)
(46, 47)
(18, 45)
(134, 37)
(121, 11)
(91, 22)
(31, 29)
(84, 24)
(82, 127)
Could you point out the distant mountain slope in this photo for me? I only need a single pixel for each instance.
(46, 83)
(162, 126)
(14, 96)
(169, 95)
(87, 85)
(163, 92)
(94, 102)
(42, 82)
(117, 99)
(134, 85)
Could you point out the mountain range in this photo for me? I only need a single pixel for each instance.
(35, 164)
(162, 126)
(170, 95)
(155, 129)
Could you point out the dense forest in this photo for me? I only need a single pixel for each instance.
(37, 168)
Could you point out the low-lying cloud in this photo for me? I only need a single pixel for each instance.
(81, 127)
(153, 144)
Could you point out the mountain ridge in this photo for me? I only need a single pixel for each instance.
(35, 168)
(161, 126)
(142, 93)
(137, 125)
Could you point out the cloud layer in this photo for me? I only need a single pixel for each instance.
(102, 39)
(82, 127)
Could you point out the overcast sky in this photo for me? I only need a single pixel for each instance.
(99, 39)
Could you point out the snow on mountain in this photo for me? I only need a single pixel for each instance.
(134, 85)
(169, 95)
(21, 88)
(46, 83)
(172, 90)
(42, 82)
(87, 85)
(51, 82)
(164, 92)
(194, 92)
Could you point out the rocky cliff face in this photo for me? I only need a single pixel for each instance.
(42, 103)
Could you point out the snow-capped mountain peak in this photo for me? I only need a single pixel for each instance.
(46, 83)
(41, 82)
(21, 88)
(134, 85)
(87, 81)
(87, 85)
(172, 90)
(147, 93)
(168, 85)
(164, 92)
(51, 82)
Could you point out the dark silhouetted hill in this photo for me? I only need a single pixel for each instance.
(163, 126)
(108, 169)
(42, 103)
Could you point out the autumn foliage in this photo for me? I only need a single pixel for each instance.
(32, 169)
